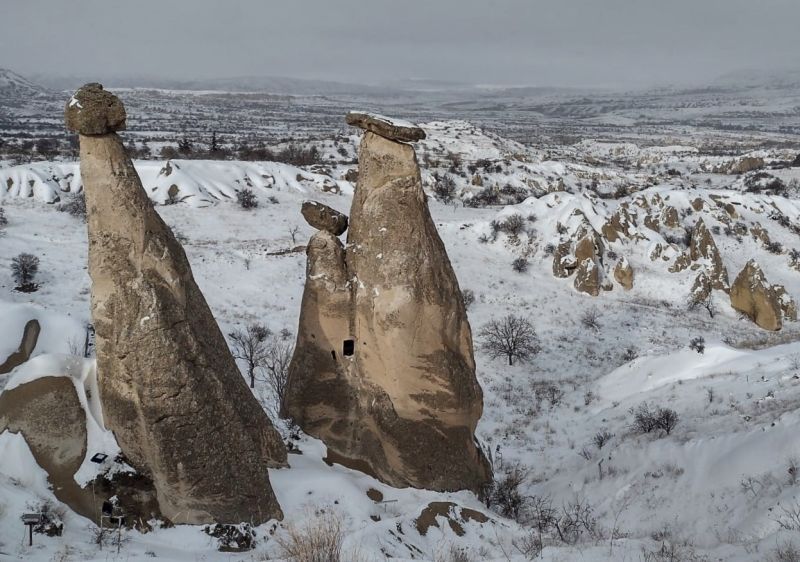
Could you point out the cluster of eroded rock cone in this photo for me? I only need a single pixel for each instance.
(582, 254)
(383, 371)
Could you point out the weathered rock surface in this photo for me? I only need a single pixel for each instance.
(170, 389)
(564, 263)
(383, 370)
(386, 127)
(763, 303)
(703, 252)
(93, 111)
(323, 217)
(48, 414)
(588, 277)
(623, 273)
(30, 336)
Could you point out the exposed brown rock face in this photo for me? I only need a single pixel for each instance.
(170, 389)
(385, 127)
(703, 251)
(763, 303)
(383, 371)
(323, 217)
(30, 336)
(588, 277)
(623, 273)
(48, 414)
(564, 262)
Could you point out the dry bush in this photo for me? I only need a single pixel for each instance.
(786, 552)
(319, 539)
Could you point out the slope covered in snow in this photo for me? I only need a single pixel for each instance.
(718, 485)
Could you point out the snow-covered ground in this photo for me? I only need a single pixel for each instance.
(716, 486)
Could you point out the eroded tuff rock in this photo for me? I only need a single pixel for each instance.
(170, 389)
(383, 371)
(323, 217)
(391, 129)
(49, 415)
(93, 111)
(703, 252)
(766, 305)
(623, 273)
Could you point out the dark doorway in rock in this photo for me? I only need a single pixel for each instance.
(348, 348)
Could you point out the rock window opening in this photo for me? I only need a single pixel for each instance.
(348, 348)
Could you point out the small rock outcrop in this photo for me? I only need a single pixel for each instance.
(48, 414)
(170, 388)
(623, 274)
(766, 305)
(323, 217)
(588, 277)
(383, 370)
(703, 252)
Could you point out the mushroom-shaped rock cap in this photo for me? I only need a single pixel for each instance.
(93, 111)
(323, 217)
(392, 129)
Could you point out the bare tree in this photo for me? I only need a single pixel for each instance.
(512, 337)
(250, 345)
(293, 233)
(698, 300)
(276, 365)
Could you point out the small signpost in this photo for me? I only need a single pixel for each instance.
(99, 458)
(30, 520)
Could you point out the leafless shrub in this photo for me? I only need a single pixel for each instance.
(505, 497)
(601, 438)
(786, 552)
(3, 218)
(591, 318)
(320, 539)
(75, 206)
(452, 553)
(548, 391)
(671, 552)
(520, 265)
(646, 419)
(789, 518)
(575, 521)
(468, 296)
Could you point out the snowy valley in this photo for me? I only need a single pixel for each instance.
(653, 421)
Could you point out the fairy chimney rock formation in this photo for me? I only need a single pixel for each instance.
(766, 305)
(170, 388)
(383, 370)
(323, 217)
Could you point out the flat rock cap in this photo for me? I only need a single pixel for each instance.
(323, 217)
(392, 129)
(93, 111)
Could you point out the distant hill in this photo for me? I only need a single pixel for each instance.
(14, 85)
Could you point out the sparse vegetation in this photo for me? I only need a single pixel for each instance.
(24, 268)
(246, 198)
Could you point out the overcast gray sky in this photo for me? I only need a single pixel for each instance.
(531, 42)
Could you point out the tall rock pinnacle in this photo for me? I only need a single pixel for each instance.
(383, 370)
(170, 388)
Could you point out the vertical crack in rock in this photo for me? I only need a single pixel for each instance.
(383, 371)
(160, 354)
